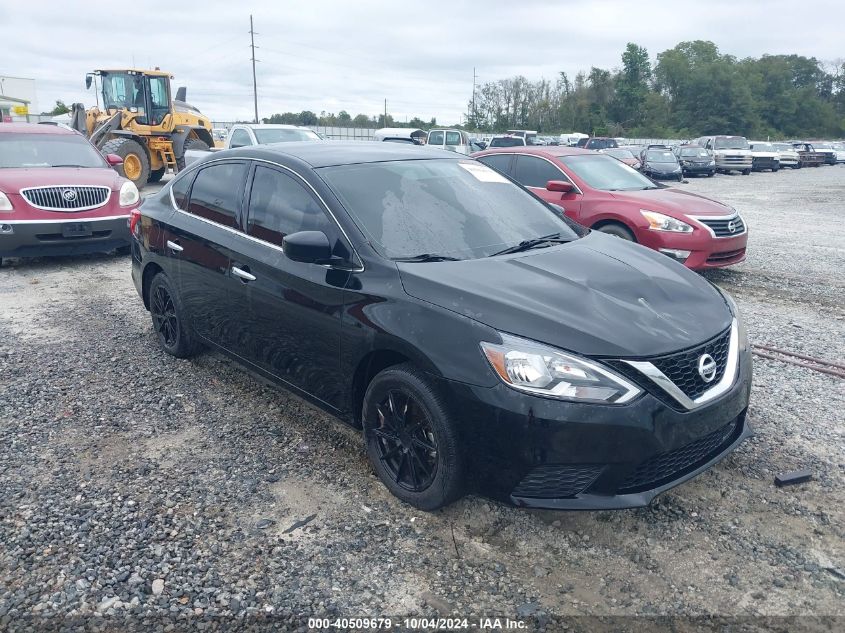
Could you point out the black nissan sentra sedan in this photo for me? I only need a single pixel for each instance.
(482, 342)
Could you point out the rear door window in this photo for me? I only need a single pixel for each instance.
(180, 189)
(499, 162)
(280, 205)
(217, 192)
(531, 171)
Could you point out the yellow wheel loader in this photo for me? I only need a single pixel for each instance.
(140, 122)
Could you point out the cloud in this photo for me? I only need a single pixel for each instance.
(352, 55)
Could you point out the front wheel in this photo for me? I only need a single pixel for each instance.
(136, 163)
(619, 231)
(746, 172)
(411, 438)
(174, 335)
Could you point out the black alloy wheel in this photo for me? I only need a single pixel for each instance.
(164, 317)
(168, 322)
(412, 440)
(405, 441)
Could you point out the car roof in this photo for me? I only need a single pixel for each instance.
(33, 128)
(331, 153)
(271, 126)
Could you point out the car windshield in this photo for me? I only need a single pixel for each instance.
(453, 208)
(621, 154)
(48, 150)
(507, 141)
(694, 152)
(763, 147)
(733, 142)
(660, 156)
(285, 136)
(784, 147)
(607, 174)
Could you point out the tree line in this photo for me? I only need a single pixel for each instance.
(691, 90)
(344, 119)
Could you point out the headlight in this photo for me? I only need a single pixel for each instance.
(129, 194)
(659, 222)
(711, 163)
(545, 371)
(742, 333)
(5, 203)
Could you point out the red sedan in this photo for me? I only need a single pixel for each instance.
(59, 195)
(602, 193)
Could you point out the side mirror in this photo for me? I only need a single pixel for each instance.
(559, 185)
(309, 247)
(88, 79)
(114, 160)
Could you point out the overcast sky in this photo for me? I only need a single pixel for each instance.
(338, 55)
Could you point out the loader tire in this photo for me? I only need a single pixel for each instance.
(191, 143)
(136, 163)
(157, 174)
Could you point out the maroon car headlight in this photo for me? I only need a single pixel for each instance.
(5, 203)
(129, 194)
(529, 366)
(660, 222)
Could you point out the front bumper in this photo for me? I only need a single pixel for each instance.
(71, 236)
(544, 453)
(703, 168)
(705, 251)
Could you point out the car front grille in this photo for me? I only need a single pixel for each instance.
(721, 227)
(557, 481)
(733, 159)
(666, 467)
(682, 367)
(70, 198)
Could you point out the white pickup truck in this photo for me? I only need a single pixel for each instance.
(248, 134)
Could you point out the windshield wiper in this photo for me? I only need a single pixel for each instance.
(426, 257)
(525, 245)
(67, 165)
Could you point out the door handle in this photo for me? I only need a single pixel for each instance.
(244, 275)
(174, 246)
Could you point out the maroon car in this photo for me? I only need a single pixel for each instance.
(602, 193)
(59, 195)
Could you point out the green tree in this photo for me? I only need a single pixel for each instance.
(60, 108)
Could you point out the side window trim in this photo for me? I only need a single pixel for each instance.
(543, 158)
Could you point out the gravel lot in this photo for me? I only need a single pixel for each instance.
(139, 489)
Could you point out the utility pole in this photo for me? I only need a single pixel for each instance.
(385, 113)
(474, 122)
(254, 83)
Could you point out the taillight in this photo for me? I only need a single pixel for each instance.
(134, 220)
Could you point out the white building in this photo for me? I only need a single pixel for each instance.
(17, 98)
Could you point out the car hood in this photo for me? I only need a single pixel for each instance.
(674, 201)
(757, 154)
(597, 296)
(12, 180)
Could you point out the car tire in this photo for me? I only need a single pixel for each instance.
(191, 143)
(168, 316)
(136, 163)
(124, 250)
(412, 439)
(746, 172)
(618, 230)
(157, 174)
(775, 169)
(711, 174)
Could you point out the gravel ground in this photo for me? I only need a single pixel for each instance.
(144, 491)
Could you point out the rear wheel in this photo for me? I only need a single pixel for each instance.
(191, 143)
(411, 438)
(157, 174)
(618, 230)
(746, 172)
(168, 317)
(136, 163)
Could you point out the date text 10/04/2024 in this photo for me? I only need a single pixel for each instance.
(422, 624)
